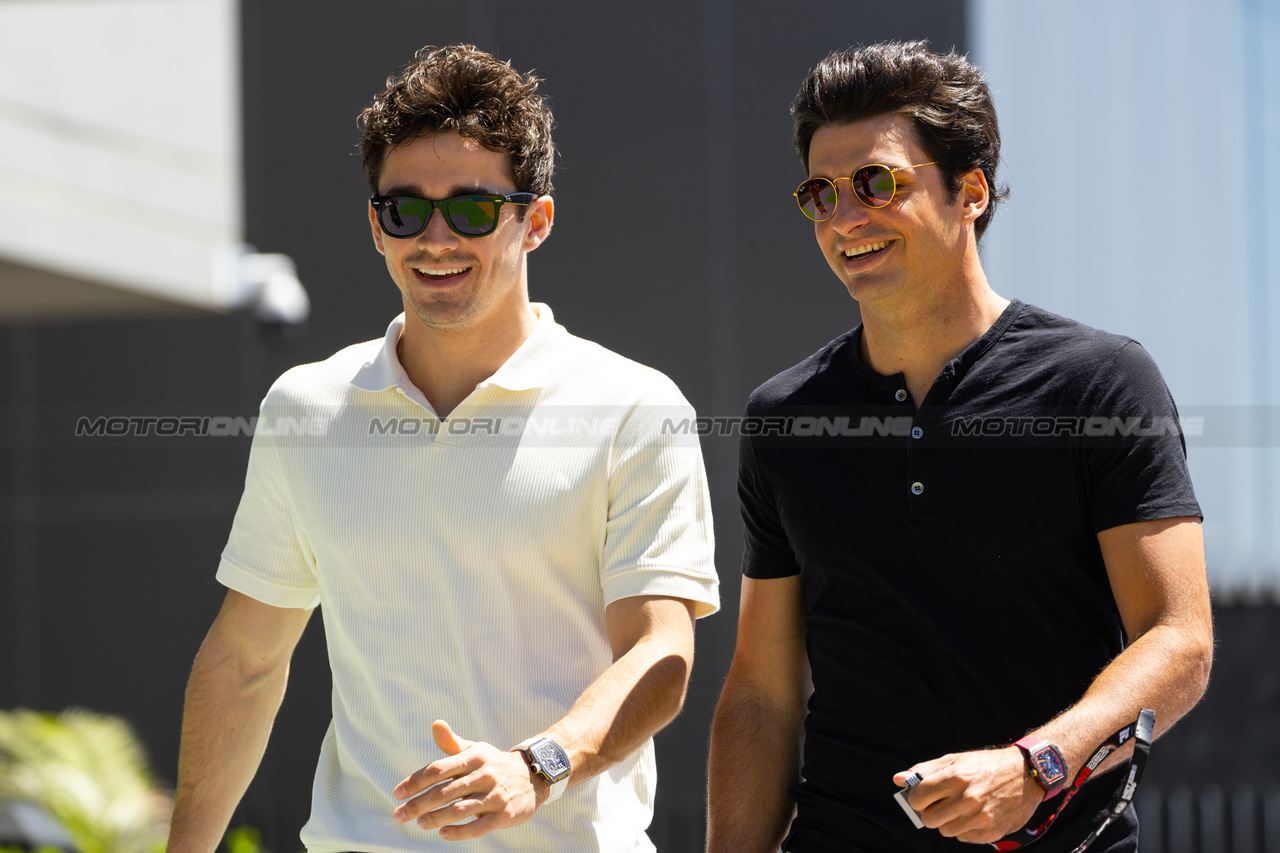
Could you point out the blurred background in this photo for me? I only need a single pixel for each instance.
(182, 218)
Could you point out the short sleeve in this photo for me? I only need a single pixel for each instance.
(658, 534)
(1136, 459)
(267, 556)
(767, 552)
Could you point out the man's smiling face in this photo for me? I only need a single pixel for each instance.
(448, 281)
(887, 253)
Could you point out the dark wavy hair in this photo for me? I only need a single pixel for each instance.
(461, 88)
(944, 96)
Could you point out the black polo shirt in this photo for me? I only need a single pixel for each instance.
(955, 590)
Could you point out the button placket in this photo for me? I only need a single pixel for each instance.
(919, 467)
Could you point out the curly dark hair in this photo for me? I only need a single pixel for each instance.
(945, 97)
(461, 88)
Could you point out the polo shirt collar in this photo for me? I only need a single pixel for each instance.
(528, 367)
(957, 367)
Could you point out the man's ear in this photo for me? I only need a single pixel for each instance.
(377, 229)
(538, 215)
(974, 194)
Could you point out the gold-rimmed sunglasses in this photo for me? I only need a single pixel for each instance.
(873, 184)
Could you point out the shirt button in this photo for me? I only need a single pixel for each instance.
(916, 432)
(917, 488)
(900, 395)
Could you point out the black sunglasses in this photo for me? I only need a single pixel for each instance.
(467, 215)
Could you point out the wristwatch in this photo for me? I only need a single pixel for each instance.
(549, 762)
(1044, 763)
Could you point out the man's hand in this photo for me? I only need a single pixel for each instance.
(495, 787)
(978, 797)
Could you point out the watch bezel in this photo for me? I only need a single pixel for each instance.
(538, 762)
(1045, 756)
(1042, 756)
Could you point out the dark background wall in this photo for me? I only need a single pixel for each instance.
(676, 243)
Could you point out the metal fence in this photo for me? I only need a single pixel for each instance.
(1210, 820)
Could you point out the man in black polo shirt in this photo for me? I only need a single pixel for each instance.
(971, 540)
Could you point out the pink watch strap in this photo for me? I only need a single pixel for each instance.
(1031, 745)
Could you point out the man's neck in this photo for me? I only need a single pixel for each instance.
(446, 365)
(917, 338)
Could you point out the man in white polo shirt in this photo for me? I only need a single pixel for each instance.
(509, 548)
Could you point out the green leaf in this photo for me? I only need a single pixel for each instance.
(90, 772)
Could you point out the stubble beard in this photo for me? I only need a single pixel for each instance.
(444, 314)
(443, 311)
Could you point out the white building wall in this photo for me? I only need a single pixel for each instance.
(120, 142)
(1142, 146)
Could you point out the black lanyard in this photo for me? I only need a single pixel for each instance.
(1140, 732)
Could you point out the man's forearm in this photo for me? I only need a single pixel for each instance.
(1166, 670)
(225, 724)
(1158, 578)
(755, 758)
(635, 697)
(652, 641)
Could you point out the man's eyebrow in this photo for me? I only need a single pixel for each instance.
(456, 190)
(402, 189)
(472, 189)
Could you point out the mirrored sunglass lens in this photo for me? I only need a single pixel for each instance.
(817, 199)
(473, 215)
(874, 185)
(403, 216)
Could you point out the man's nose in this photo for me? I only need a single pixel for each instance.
(437, 232)
(850, 212)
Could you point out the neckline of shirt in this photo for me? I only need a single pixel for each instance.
(527, 368)
(955, 368)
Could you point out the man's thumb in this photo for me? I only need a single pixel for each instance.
(446, 739)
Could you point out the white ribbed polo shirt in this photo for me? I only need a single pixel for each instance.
(464, 567)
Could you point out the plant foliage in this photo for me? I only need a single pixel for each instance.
(90, 772)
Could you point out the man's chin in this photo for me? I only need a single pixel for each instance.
(444, 317)
(869, 289)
